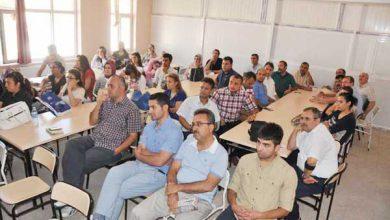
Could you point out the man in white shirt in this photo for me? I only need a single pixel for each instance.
(193, 103)
(368, 94)
(255, 65)
(159, 77)
(317, 157)
(269, 82)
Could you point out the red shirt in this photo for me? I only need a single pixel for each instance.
(89, 74)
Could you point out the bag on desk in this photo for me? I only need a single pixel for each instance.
(141, 100)
(255, 128)
(54, 103)
(14, 115)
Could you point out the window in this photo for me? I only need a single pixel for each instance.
(8, 41)
(121, 23)
(52, 22)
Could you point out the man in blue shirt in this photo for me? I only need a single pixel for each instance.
(260, 91)
(226, 72)
(160, 140)
(198, 167)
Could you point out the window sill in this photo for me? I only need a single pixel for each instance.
(33, 63)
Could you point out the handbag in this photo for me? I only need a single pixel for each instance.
(14, 115)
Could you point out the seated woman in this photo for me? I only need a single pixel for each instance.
(134, 78)
(136, 61)
(340, 117)
(176, 94)
(87, 76)
(150, 71)
(99, 59)
(17, 89)
(56, 80)
(73, 92)
(121, 56)
(150, 54)
(195, 71)
(108, 71)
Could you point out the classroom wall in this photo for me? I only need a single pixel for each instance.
(354, 35)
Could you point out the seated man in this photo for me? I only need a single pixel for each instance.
(317, 158)
(159, 141)
(232, 101)
(251, 194)
(249, 81)
(368, 94)
(269, 82)
(198, 167)
(161, 73)
(284, 81)
(255, 65)
(214, 64)
(193, 103)
(341, 72)
(226, 72)
(260, 91)
(303, 77)
(117, 121)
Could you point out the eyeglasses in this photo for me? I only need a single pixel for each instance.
(198, 124)
(69, 77)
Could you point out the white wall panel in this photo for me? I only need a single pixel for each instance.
(235, 9)
(363, 53)
(377, 19)
(351, 18)
(309, 13)
(178, 7)
(381, 65)
(179, 36)
(237, 40)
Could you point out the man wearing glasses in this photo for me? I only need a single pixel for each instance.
(193, 177)
(317, 157)
(263, 185)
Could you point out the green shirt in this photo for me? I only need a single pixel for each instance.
(282, 83)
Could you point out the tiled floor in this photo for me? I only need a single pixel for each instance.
(364, 192)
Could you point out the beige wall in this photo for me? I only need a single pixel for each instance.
(94, 18)
(142, 24)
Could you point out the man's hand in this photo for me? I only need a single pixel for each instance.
(309, 180)
(240, 212)
(172, 188)
(251, 117)
(117, 151)
(102, 96)
(137, 152)
(173, 201)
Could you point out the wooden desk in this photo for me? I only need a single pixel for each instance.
(284, 110)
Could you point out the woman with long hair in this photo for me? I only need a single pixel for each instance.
(87, 75)
(56, 80)
(108, 71)
(176, 94)
(73, 92)
(134, 78)
(99, 59)
(17, 89)
(137, 62)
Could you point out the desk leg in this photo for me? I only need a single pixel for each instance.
(28, 168)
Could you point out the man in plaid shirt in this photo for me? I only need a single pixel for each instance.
(232, 101)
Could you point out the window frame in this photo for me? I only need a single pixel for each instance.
(3, 51)
(130, 16)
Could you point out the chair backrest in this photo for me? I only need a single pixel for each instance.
(46, 158)
(3, 159)
(373, 114)
(224, 184)
(73, 197)
(336, 176)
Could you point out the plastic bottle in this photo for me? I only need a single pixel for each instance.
(34, 116)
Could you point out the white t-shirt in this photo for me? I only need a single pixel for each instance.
(159, 77)
(254, 69)
(270, 85)
(193, 103)
(319, 144)
(367, 92)
(78, 93)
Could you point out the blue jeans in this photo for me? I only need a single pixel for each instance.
(127, 180)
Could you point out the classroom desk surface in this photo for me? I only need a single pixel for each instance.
(283, 110)
(28, 136)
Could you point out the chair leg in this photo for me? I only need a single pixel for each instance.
(58, 147)
(40, 198)
(319, 209)
(330, 205)
(87, 182)
(125, 209)
(7, 163)
(53, 209)
(369, 139)
(13, 212)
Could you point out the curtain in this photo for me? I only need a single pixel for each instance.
(22, 35)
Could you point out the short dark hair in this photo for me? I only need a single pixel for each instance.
(169, 56)
(284, 62)
(348, 89)
(217, 51)
(339, 77)
(305, 63)
(228, 59)
(343, 70)
(209, 81)
(269, 64)
(255, 55)
(316, 112)
(205, 111)
(237, 76)
(351, 79)
(161, 98)
(272, 132)
(250, 74)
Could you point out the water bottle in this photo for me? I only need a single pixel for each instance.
(34, 116)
